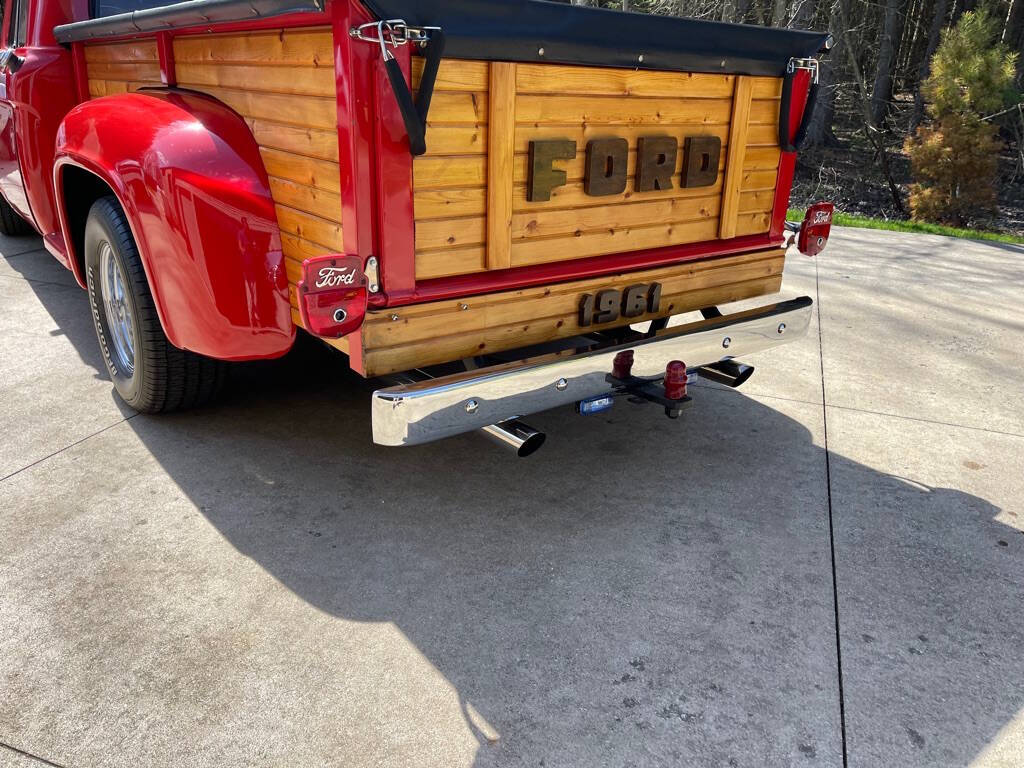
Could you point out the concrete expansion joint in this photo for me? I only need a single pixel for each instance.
(29, 755)
(59, 451)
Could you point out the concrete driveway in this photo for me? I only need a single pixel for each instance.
(827, 565)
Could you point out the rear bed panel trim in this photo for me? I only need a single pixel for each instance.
(181, 15)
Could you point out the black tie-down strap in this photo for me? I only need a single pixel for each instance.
(784, 108)
(414, 114)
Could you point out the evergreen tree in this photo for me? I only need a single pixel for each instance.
(953, 158)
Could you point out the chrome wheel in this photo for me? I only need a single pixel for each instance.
(118, 311)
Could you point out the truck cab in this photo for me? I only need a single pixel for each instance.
(493, 207)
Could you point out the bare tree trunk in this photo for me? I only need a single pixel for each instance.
(1013, 29)
(779, 13)
(1014, 23)
(735, 10)
(803, 15)
(911, 32)
(892, 32)
(819, 132)
(961, 7)
(870, 128)
(918, 44)
(938, 20)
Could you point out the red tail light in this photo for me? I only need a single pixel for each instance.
(675, 380)
(622, 365)
(332, 295)
(815, 229)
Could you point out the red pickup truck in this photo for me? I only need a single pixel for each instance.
(492, 206)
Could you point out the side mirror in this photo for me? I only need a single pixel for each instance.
(10, 61)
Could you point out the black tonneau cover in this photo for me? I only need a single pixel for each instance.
(152, 18)
(519, 30)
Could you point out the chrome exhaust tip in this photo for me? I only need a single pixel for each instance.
(522, 438)
(727, 372)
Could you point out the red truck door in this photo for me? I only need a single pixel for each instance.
(15, 24)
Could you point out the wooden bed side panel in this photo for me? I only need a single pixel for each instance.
(282, 83)
(450, 195)
(122, 67)
(424, 334)
(462, 185)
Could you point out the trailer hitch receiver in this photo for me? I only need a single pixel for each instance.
(670, 392)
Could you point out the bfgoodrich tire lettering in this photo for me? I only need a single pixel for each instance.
(148, 372)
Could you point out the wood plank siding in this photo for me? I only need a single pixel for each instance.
(122, 67)
(461, 185)
(471, 212)
(423, 334)
(282, 83)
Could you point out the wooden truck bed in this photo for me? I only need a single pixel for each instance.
(469, 197)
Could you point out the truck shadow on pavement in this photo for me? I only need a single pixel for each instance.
(639, 586)
(639, 591)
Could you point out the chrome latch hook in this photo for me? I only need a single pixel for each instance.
(385, 35)
(392, 32)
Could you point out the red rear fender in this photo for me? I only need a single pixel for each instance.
(189, 177)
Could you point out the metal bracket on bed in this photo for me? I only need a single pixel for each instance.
(391, 34)
(811, 65)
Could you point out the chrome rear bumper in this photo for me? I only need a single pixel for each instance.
(430, 410)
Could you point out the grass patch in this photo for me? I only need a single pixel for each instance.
(895, 225)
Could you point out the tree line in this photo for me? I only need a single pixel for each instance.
(877, 80)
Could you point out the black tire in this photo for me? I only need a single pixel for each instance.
(11, 223)
(158, 377)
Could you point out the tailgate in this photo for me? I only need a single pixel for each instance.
(472, 190)
(559, 175)
(531, 101)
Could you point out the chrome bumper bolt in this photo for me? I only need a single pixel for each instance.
(782, 328)
(472, 406)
